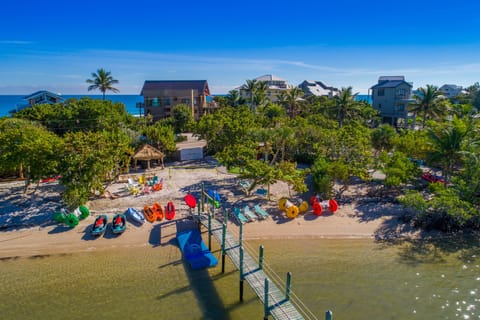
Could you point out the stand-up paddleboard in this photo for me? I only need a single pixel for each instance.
(190, 201)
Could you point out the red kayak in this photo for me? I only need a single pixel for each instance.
(190, 201)
(170, 211)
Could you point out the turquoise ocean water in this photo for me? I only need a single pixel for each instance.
(9, 102)
(356, 278)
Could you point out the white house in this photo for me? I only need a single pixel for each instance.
(450, 90)
(275, 85)
(318, 88)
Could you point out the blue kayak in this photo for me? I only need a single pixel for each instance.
(135, 215)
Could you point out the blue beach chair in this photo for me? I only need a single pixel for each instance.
(249, 213)
(240, 217)
(261, 212)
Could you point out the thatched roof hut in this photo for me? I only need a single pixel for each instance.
(147, 153)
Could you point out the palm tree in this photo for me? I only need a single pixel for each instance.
(261, 98)
(345, 105)
(282, 98)
(103, 81)
(251, 88)
(382, 137)
(427, 101)
(233, 98)
(449, 146)
(293, 96)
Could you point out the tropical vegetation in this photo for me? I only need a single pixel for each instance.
(332, 141)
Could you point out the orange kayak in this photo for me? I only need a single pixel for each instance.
(170, 211)
(158, 211)
(149, 214)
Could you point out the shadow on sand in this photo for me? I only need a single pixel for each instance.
(60, 229)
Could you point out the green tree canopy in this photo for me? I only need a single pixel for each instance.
(29, 147)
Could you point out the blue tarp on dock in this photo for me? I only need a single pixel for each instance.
(194, 249)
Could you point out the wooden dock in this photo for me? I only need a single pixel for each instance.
(276, 303)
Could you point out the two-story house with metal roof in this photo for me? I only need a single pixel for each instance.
(39, 97)
(451, 90)
(161, 96)
(392, 96)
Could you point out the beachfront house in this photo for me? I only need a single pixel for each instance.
(450, 90)
(275, 85)
(161, 96)
(39, 97)
(318, 89)
(391, 96)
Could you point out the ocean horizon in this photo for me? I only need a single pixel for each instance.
(11, 102)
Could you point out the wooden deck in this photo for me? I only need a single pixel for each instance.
(279, 307)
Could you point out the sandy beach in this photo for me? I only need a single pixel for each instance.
(27, 227)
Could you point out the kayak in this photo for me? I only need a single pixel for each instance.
(170, 211)
(149, 214)
(135, 215)
(100, 225)
(158, 210)
(119, 223)
(190, 201)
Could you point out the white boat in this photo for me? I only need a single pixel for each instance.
(135, 215)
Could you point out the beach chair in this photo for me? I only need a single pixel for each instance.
(249, 213)
(245, 185)
(132, 182)
(146, 189)
(132, 189)
(240, 217)
(261, 212)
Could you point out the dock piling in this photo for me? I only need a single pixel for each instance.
(260, 257)
(210, 232)
(329, 315)
(241, 273)
(287, 291)
(265, 303)
(224, 233)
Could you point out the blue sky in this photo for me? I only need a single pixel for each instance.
(56, 45)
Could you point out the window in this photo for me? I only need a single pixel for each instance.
(379, 106)
(381, 92)
(401, 92)
(155, 102)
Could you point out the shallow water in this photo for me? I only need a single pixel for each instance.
(357, 279)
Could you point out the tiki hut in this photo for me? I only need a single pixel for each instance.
(147, 153)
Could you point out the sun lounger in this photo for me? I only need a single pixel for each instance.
(261, 212)
(245, 185)
(240, 217)
(132, 182)
(249, 213)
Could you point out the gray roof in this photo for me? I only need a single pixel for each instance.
(40, 93)
(154, 86)
(390, 84)
(269, 77)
